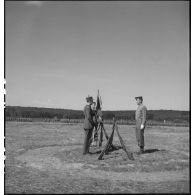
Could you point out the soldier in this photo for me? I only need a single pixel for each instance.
(140, 117)
(88, 124)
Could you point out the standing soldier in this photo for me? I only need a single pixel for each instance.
(88, 124)
(140, 117)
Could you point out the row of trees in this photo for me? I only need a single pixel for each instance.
(34, 112)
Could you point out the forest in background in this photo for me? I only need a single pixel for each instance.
(51, 113)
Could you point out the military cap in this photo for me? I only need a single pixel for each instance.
(89, 98)
(139, 97)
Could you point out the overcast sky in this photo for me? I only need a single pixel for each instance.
(59, 52)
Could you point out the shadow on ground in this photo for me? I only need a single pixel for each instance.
(114, 148)
(152, 150)
(111, 149)
(147, 151)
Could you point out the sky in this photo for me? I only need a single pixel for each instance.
(57, 53)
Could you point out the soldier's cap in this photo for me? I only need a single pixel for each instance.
(89, 98)
(139, 97)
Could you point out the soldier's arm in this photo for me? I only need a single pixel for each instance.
(144, 110)
(88, 115)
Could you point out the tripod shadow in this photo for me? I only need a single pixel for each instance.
(111, 149)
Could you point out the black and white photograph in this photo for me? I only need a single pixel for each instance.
(97, 97)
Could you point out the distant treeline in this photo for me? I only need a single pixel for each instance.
(52, 113)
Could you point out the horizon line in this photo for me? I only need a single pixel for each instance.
(102, 110)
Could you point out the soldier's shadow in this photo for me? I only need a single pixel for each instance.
(152, 150)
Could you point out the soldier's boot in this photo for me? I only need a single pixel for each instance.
(141, 149)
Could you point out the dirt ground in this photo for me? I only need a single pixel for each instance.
(47, 158)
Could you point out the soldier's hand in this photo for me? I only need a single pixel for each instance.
(142, 127)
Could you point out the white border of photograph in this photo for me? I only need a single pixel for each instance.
(2, 97)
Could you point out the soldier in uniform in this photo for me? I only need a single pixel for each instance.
(88, 124)
(140, 117)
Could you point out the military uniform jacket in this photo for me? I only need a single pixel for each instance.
(88, 121)
(140, 116)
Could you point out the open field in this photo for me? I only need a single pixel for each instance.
(47, 158)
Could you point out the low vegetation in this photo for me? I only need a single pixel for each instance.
(64, 115)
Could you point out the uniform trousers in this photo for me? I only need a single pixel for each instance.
(139, 137)
(86, 145)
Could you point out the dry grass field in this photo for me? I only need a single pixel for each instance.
(47, 158)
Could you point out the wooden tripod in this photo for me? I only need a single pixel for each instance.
(109, 144)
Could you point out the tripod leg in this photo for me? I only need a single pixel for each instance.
(108, 144)
(129, 154)
(106, 135)
(101, 137)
